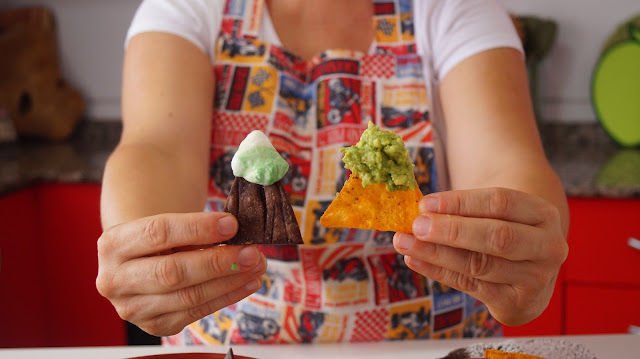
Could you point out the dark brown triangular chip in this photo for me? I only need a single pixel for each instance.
(246, 202)
(289, 217)
(264, 214)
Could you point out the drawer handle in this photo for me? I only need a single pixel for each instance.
(634, 329)
(634, 243)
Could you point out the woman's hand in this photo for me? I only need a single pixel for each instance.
(162, 272)
(501, 246)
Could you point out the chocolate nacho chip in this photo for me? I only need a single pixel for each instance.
(264, 214)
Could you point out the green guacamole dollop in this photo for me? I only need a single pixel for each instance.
(380, 157)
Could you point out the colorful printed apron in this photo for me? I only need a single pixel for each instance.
(343, 285)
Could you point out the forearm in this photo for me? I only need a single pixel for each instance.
(161, 163)
(142, 180)
(493, 140)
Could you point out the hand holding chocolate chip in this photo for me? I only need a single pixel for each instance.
(165, 271)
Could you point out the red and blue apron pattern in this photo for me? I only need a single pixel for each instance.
(343, 285)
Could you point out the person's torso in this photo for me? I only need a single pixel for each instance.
(343, 285)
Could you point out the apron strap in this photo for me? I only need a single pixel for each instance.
(241, 19)
(393, 22)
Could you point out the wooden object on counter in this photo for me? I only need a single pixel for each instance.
(38, 101)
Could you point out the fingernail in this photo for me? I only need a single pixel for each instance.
(248, 256)
(227, 226)
(410, 261)
(405, 241)
(253, 285)
(429, 204)
(421, 226)
(261, 265)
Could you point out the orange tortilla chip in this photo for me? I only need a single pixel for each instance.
(372, 207)
(497, 354)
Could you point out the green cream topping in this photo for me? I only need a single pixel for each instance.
(380, 157)
(257, 160)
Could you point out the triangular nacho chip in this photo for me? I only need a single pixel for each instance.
(372, 207)
(497, 354)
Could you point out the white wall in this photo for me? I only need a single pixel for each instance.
(91, 34)
(583, 27)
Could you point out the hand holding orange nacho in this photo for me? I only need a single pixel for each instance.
(500, 245)
(381, 192)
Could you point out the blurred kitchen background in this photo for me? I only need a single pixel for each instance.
(50, 180)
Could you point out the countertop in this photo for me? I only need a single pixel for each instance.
(588, 162)
(602, 346)
(80, 159)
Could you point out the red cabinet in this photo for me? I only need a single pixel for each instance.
(598, 241)
(598, 290)
(22, 296)
(602, 282)
(599, 309)
(48, 245)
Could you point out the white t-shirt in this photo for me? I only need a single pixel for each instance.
(447, 31)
